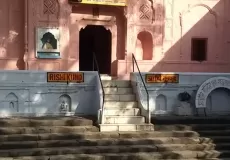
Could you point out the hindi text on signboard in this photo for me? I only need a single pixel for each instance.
(77, 77)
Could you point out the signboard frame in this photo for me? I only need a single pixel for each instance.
(41, 41)
(64, 77)
(121, 3)
(162, 78)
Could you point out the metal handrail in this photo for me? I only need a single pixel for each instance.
(135, 62)
(95, 62)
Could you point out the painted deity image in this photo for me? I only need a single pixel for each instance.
(49, 41)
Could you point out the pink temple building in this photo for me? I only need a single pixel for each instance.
(164, 36)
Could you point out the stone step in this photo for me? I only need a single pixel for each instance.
(142, 156)
(138, 144)
(123, 156)
(194, 140)
(121, 112)
(106, 77)
(176, 136)
(114, 153)
(194, 144)
(214, 133)
(124, 119)
(215, 139)
(172, 137)
(115, 104)
(116, 83)
(102, 142)
(46, 129)
(121, 98)
(46, 121)
(118, 91)
(195, 127)
(192, 147)
(160, 120)
(125, 127)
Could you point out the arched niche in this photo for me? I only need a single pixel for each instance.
(161, 103)
(12, 101)
(207, 87)
(65, 103)
(144, 46)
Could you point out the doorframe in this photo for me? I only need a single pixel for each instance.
(109, 25)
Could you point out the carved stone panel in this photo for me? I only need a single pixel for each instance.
(50, 7)
(207, 87)
(48, 10)
(145, 12)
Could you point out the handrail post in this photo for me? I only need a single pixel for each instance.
(95, 63)
(149, 113)
(93, 60)
(133, 58)
(148, 106)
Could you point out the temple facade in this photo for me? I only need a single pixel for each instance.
(163, 35)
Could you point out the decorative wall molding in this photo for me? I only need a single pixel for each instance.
(190, 7)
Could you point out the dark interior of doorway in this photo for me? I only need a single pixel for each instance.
(95, 39)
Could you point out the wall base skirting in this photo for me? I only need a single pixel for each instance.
(67, 114)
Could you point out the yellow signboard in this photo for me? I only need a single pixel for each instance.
(74, 77)
(162, 78)
(101, 2)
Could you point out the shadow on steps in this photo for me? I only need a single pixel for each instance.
(75, 140)
(213, 132)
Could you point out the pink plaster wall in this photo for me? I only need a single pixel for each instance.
(183, 19)
(11, 34)
(168, 27)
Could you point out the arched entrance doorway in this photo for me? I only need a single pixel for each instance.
(214, 96)
(95, 39)
(218, 102)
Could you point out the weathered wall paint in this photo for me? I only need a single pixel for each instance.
(164, 97)
(158, 33)
(26, 93)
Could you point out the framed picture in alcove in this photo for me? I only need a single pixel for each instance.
(47, 43)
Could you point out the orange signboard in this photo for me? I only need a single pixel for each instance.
(74, 77)
(162, 78)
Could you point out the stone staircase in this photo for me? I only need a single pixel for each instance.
(75, 138)
(213, 134)
(121, 112)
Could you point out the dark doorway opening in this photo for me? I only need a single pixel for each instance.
(95, 39)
